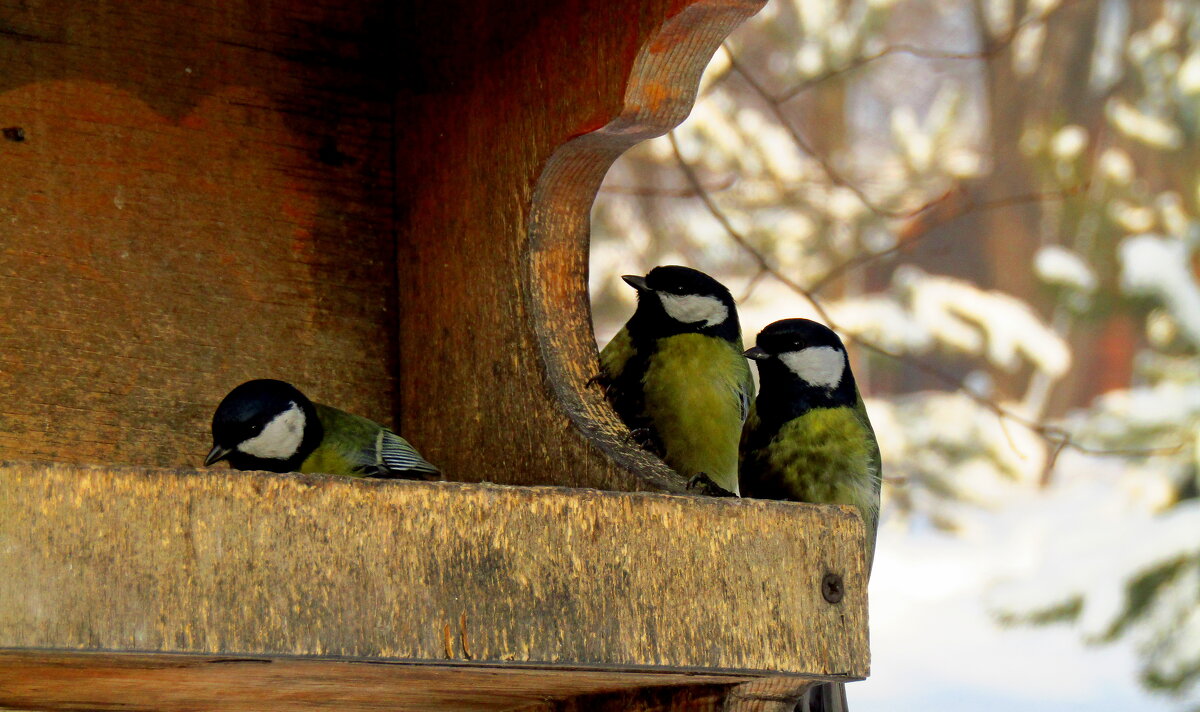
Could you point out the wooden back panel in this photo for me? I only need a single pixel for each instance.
(203, 195)
(386, 206)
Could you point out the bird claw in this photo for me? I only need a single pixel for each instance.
(646, 439)
(700, 483)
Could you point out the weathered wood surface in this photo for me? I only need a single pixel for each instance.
(249, 563)
(495, 230)
(203, 195)
(179, 683)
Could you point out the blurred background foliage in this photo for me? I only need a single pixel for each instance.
(996, 202)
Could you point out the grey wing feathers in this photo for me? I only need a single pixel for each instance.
(396, 455)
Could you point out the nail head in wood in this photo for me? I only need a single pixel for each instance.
(832, 588)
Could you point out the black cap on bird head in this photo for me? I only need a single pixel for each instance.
(803, 359)
(675, 300)
(264, 424)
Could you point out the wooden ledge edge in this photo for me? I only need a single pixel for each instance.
(322, 480)
(65, 680)
(156, 658)
(246, 565)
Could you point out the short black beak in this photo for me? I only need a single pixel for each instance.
(638, 283)
(217, 454)
(756, 353)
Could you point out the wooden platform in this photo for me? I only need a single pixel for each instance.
(567, 591)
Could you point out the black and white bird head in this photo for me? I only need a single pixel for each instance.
(264, 425)
(675, 300)
(807, 355)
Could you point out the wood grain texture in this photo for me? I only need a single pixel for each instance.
(203, 195)
(766, 694)
(494, 232)
(235, 564)
(184, 683)
(660, 94)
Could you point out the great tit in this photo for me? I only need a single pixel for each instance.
(266, 424)
(808, 439)
(676, 376)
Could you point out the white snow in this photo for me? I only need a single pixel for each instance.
(1155, 131)
(1134, 218)
(1058, 265)
(935, 646)
(1189, 74)
(1117, 166)
(1160, 266)
(1068, 142)
(1001, 327)
(883, 321)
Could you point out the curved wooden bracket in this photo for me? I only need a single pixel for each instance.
(495, 189)
(660, 93)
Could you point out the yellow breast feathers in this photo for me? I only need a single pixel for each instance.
(827, 456)
(693, 395)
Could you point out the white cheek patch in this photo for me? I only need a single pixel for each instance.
(280, 439)
(820, 366)
(691, 308)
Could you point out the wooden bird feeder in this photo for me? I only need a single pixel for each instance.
(387, 205)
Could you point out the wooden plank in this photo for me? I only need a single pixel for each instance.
(495, 195)
(181, 683)
(203, 195)
(253, 564)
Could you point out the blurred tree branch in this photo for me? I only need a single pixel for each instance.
(951, 206)
(654, 192)
(775, 102)
(1056, 437)
(993, 48)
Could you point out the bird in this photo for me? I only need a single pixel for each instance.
(808, 439)
(676, 376)
(266, 424)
